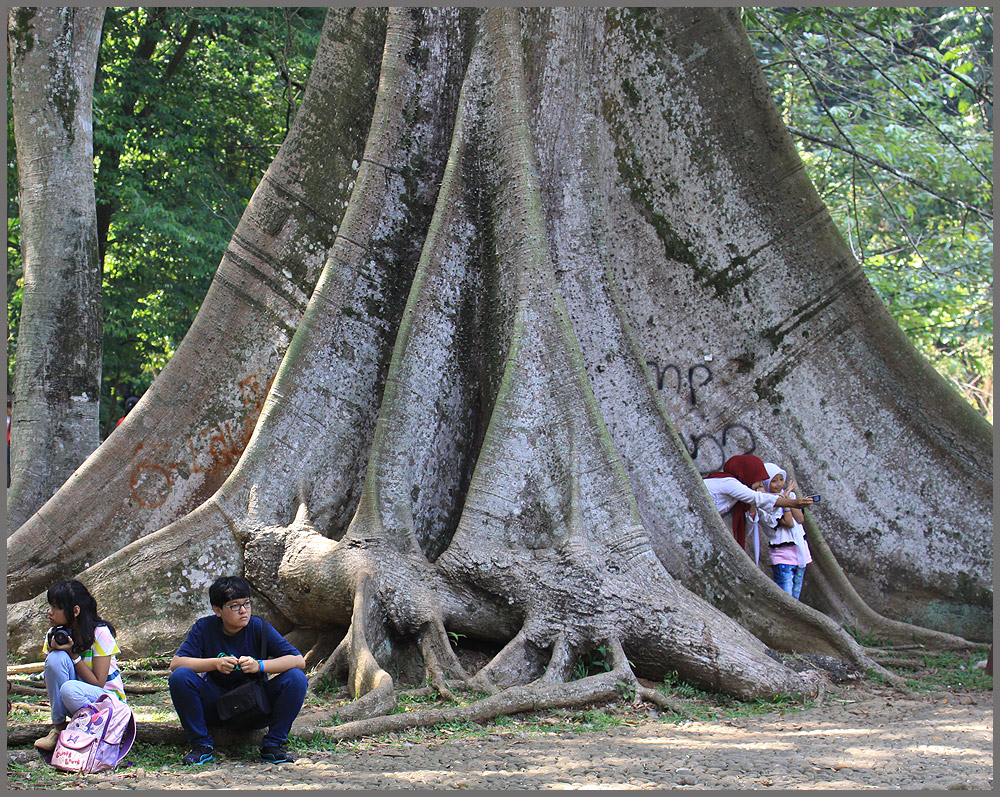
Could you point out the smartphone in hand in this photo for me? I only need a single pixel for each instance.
(815, 498)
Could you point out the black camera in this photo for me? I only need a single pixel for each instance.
(61, 635)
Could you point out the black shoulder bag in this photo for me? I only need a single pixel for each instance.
(248, 702)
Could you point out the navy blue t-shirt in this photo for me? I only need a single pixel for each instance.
(207, 639)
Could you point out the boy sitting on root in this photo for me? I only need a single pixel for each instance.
(222, 652)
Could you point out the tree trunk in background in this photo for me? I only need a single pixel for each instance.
(57, 375)
(465, 435)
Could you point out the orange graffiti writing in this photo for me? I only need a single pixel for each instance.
(211, 449)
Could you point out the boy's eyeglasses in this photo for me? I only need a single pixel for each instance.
(237, 607)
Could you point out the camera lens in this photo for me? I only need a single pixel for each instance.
(60, 636)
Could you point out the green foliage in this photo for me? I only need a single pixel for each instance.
(864, 638)
(190, 107)
(325, 685)
(674, 684)
(892, 109)
(626, 690)
(706, 705)
(592, 662)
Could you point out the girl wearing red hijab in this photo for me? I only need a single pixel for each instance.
(739, 487)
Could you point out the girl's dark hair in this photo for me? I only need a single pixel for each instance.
(67, 594)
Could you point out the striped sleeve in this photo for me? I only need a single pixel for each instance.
(104, 643)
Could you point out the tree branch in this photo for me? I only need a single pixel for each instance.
(181, 51)
(833, 120)
(920, 110)
(978, 90)
(850, 149)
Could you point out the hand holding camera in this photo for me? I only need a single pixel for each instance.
(61, 638)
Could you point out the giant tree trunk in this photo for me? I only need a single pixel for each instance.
(766, 338)
(464, 436)
(57, 374)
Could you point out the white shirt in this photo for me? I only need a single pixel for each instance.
(728, 490)
(795, 533)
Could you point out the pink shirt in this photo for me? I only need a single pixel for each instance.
(784, 555)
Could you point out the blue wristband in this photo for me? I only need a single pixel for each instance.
(261, 663)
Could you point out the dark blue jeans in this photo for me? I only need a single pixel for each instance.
(789, 578)
(194, 701)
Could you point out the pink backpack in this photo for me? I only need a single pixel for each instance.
(97, 737)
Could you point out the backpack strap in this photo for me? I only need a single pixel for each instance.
(263, 646)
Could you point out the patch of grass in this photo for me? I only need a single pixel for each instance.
(868, 640)
(420, 701)
(599, 720)
(28, 770)
(709, 706)
(954, 671)
(153, 713)
(34, 773)
(147, 663)
(155, 756)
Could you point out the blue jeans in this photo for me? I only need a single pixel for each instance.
(67, 693)
(194, 701)
(789, 578)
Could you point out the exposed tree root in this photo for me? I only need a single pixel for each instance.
(560, 662)
(517, 662)
(903, 663)
(623, 670)
(657, 698)
(371, 684)
(20, 734)
(27, 691)
(513, 700)
(38, 691)
(542, 694)
(439, 658)
(843, 603)
(141, 674)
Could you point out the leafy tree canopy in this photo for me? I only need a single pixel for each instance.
(892, 109)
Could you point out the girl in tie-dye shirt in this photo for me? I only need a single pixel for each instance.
(80, 670)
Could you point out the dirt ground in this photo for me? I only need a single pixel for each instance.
(860, 738)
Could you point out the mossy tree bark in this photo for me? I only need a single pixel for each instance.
(464, 436)
(57, 375)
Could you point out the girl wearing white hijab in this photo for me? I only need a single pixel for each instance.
(786, 535)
